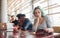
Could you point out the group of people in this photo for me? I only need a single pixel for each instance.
(40, 22)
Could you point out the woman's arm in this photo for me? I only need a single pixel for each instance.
(35, 25)
(49, 30)
(48, 22)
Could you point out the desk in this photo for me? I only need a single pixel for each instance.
(26, 34)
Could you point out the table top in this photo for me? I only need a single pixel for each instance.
(23, 34)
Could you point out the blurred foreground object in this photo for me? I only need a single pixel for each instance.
(3, 26)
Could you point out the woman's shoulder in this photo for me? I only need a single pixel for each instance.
(45, 18)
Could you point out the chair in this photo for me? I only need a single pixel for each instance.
(3, 26)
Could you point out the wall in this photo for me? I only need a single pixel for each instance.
(21, 6)
(54, 12)
(0, 10)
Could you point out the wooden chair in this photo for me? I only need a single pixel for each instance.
(56, 29)
(3, 26)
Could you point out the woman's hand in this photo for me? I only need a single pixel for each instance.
(49, 30)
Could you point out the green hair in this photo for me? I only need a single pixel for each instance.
(42, 13)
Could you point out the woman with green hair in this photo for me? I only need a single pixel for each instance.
(40, 23)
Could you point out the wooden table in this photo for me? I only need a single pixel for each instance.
(25, 34)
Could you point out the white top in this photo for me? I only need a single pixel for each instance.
(43, 25)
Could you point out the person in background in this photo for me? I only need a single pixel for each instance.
(24, 23)
(40, 22)
(12, 19)
(15, 22)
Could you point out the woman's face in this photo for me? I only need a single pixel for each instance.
(37, 13)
